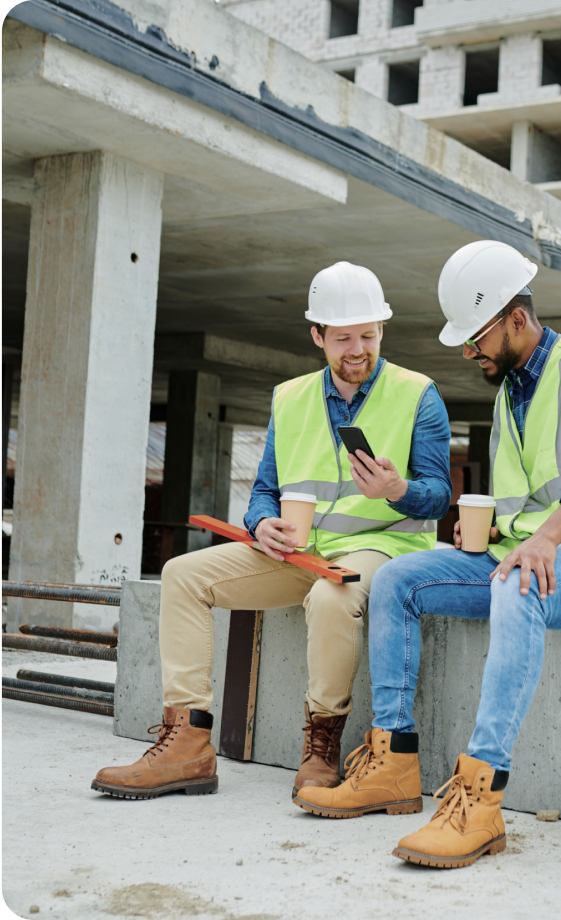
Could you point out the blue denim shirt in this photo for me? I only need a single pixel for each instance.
(428, 493)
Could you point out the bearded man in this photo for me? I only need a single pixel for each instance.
(367, 512)
(484, 294)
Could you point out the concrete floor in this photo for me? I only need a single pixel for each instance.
(246, 853)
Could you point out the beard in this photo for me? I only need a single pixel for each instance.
(505, 361)
(344, 372)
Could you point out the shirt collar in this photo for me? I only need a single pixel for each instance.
(534, 364)
(331, 390)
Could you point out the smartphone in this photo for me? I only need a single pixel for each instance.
(354, 439)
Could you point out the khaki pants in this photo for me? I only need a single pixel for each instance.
(238, 577)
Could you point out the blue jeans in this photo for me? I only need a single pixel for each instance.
(449, 582)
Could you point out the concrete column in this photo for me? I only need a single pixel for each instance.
(191, 454)
(534, 157)
(223, 471)
(478, 452)
(86, 377)
(7, 381)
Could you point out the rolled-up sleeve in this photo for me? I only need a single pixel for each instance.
(429, 492)
(265, 495)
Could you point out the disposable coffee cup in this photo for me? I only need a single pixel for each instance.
(476, 517)
(299, 509)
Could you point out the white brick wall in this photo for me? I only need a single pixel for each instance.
(304, 25)
(441, 80)
(372, 75)
(301, 24)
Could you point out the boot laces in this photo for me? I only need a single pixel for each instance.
(359, 761)
(320, 740)
(163, 730)
(454, 806)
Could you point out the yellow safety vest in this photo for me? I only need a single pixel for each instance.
(308, 461)
(526, 478)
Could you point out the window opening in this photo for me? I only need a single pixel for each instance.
(551, 62)
(403, 84)
(344, 18)
(403, 12)
(347, 74)
(482, 74)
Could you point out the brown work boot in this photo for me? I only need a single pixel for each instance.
(321, 756)
(182, 760)
(467, 823)
(382, 775)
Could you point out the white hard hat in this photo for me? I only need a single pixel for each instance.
(346, 295)
(476, 283)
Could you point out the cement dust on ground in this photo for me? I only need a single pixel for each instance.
(246, 853)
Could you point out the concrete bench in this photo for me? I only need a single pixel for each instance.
(454, 652)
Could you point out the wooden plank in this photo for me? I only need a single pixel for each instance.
(304, 560)
(252, 696)
(240, 684)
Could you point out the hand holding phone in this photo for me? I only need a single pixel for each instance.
(354, 439)
(379, 479)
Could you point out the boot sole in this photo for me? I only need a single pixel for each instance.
(452, 862)
(408, 807)
(206, 786)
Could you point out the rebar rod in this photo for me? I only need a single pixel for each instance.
(102, 709)
(86, 594)
(58, 647)
(75, 635)
(94, 696)
(45, 677)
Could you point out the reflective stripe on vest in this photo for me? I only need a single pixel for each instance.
(527, 477)
(308, 461)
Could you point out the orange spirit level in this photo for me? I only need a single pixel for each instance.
(313, 563)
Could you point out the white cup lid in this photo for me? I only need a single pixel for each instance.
(298, 497)
(477, 501)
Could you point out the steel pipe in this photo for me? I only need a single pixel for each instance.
(62, 680)
(85, 594)
(94, 696)
(58, 647)
(75, 635)
(102, 709)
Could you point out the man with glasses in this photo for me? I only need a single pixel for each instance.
(484, 295)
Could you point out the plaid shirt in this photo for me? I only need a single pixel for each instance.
(522, 382)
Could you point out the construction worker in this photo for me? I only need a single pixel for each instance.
(367, 512)
(484, 295)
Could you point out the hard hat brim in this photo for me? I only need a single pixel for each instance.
(456, 335)
(387, 313)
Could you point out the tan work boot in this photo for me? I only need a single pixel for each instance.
(383, 775)
(468, 822)
(321, 756)
(182, 760)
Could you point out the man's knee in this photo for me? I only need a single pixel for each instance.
(329, 600)
(506, 596)
(175, 567)
(398, 575)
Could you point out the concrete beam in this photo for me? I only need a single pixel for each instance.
(457, 22)
(245, 418)
(86, 375)
(327, 122)
(74, 101)
(215, 354)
